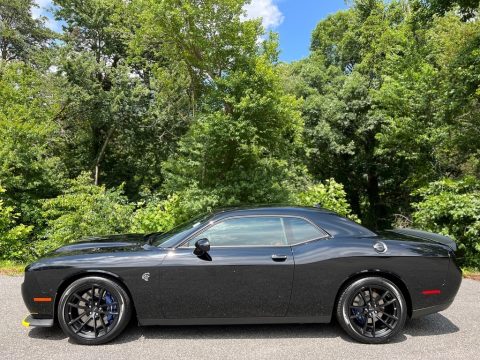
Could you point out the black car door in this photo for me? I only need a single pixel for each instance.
(249, 272)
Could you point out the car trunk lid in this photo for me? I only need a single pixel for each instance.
(425, 235)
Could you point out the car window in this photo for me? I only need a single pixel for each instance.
(337, 225)
(176, 234)
(300, 230)
(245, 231)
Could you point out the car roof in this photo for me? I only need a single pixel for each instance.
(329, 221)
(269, 210)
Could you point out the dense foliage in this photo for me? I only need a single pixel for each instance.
(12, 235)
(390, 104)
(452, 208)
(143, 113)
(83, 209)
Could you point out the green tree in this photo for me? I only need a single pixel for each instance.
(242, 144)
(391, 102)
(244, 151)
(30, 166)
(20, 34)
(207, 38)
(122, 112)
(338, 82)
(427, 9)
(430, 102)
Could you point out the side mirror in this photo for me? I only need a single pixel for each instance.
(202, 246)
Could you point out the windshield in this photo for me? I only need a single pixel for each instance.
(170, 238)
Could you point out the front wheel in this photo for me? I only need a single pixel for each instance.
(93, 310)
(372, 310)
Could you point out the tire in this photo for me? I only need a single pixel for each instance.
(372, 322)
(94, 320)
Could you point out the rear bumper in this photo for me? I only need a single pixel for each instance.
(449, 291)
(31, 321)
(430, 310)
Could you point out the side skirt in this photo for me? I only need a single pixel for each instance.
(236, 321)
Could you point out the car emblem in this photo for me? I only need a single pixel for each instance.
(146, 276)
(380, 247)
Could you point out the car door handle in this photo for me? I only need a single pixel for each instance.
(279, 258)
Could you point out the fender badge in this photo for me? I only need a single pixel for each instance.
(146, 276)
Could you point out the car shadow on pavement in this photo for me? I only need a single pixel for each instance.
(53, 333)
(236, 332)
(435, 324)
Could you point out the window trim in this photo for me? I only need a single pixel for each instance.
(215, 222)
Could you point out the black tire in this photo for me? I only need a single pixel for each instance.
(97, 319)
(372, 310)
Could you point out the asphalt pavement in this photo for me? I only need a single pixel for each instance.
(452, 334)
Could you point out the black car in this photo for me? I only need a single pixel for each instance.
(245, 266)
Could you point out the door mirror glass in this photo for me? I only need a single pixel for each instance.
(202, 246)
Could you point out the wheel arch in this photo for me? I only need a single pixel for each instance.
(376, 273)
(100, 273)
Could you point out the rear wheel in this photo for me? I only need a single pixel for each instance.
(94, 310)
(372, 310)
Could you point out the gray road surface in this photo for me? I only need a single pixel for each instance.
(452, 334)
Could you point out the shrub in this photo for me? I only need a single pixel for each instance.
(329, 195)
(162, 215)
(13, 236)
(81, 210)
(154, 215)
(452, 208)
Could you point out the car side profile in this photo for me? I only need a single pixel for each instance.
(278, 264)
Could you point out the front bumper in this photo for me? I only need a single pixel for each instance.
(31, 321)
(38, 298)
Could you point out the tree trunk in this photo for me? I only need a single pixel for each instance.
(373, 197)
(101, 154)
(373, 193)
(4, 52)
(354, 201)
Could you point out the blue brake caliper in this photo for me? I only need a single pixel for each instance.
(109, 301)
(360, 318)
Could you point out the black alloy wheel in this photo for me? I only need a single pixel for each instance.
(372, 310)
(94, 310)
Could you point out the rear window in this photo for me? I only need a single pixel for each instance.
(339, 226)
(300, 230)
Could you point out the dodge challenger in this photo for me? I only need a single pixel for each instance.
(259, 265)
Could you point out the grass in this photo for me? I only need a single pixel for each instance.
(11, 268)
(471, 273)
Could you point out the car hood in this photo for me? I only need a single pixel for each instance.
(102, 244)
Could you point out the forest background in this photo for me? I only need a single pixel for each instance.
(141, 114)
